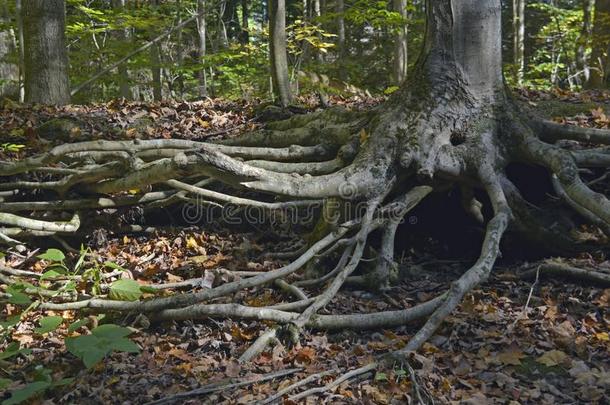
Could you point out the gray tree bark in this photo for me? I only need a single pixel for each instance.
(245, 22)
(519, 40)
(401, 46)
(582, 59)
(9, 71)
(340, 9)
(600, 54)
(202, 37)
(278, 52)
(46, 56)
(155, 66)
(123, 35)
(20, 45)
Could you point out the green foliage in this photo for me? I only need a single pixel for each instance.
(92, 349)
(12, 350)
(42, 382)
(11, 147)
(49, 324)
(53, 255)
(125, 290)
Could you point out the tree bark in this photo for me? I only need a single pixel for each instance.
(20, 45)
(519, 40)
(401, 46)
(278, 52)
(582, 59)
(340, 9)
(123, 36)
(202, 37)
(245, 22)
(46, 56)
(601, 42)
(155, 65)
(9, 72)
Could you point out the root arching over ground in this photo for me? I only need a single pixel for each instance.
(453, 125)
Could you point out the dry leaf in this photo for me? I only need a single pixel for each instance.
(552, 358)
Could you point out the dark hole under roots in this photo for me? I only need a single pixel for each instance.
(534, 182)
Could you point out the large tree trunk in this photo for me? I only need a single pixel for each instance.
(600, 54)
(278, 52)
(519, 40)
(46, 57)
(401, 46)
(451, 125)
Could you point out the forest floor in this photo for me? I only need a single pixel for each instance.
(512, 341)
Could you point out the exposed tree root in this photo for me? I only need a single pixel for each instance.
(451, 127)
(597, 278)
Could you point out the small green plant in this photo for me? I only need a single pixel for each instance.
(92, 349)
(42, 381)
(12, 147)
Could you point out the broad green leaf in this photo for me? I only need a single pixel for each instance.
(10, 322)
(49, 324)
(125, 290)
(78, 324)
(13, 350)
(92, 349)
(78, 346)
(17, 297)
(27, 392)
(149, 290)
(50, 274)
(110, 331)
(94, 356)
(52, 255)
(125, 345)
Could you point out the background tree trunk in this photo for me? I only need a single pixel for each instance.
(201, 31)
(278, 52)
(155, 66)
(245, 22)
(340, 10)
(46, 57)
(601, 43)
(9, 72)
(124, 36)
(519, 40)
(582, 59)
(21, 51)
(401, 47)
